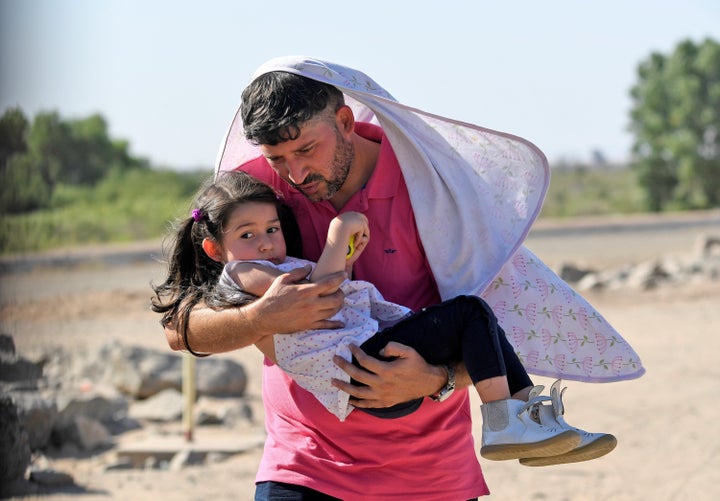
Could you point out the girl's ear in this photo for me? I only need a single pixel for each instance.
(212, 249)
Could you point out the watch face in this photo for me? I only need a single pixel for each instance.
(445, 393)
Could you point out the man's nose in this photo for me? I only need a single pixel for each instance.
(297, 172)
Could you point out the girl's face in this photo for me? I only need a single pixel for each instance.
(253, 232)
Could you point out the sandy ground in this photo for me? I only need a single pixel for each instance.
(665, 422)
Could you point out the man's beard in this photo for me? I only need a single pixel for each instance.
(344, 156)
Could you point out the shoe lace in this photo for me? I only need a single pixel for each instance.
(532, 407)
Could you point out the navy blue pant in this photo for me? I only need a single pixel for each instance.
(278, 491)
(460, 329)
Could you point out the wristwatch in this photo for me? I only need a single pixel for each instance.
(447, 390)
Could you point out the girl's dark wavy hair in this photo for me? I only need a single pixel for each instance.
(192, 275)
(275, 105)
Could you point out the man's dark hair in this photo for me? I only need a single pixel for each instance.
(275, 105)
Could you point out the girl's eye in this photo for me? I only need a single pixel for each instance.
(246, 235)
(274, 229)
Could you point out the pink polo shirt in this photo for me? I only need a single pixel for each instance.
(427, 455)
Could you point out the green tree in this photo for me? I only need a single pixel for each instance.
(50, 146)
(35, 158)
(675, 118)
(13, 130)
(94, 152)
(22, 187)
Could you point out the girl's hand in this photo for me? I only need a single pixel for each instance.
(334, 256)
(355, 226)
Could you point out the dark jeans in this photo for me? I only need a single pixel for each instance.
(460, 329)
(277, 491)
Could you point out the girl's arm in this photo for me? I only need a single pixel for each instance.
(253, 277)
(335, 257)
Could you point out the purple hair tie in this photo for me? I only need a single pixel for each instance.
(197, 215)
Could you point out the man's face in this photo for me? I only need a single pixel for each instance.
(317, 163)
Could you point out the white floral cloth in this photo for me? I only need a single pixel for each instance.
(475, 193)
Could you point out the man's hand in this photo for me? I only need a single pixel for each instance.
(388, 383)
(288, 306)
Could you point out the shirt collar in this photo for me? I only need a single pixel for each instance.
(385, 179)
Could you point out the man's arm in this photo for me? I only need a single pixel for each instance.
(286, 307)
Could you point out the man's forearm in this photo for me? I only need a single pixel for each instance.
(210, 331)
(286, 307)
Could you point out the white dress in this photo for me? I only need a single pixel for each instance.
(307, 356)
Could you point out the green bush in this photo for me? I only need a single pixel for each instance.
(125, 206)
(582, 191)
(140, 204)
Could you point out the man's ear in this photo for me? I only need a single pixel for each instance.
(212, 249)
(345, 119)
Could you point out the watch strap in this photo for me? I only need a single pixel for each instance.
(449, 387)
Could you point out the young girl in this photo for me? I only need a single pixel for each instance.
(240, 238)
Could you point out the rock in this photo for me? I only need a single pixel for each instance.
(165, 406)
(571, 273)
(119, 464)
(217, 411)
(86, 433)
(104, 405)
(647, 275)
(14, 444)
(142, 373)
(7, 345)
(220, 377)
(706, 246)
(51, 478)
(13, 367)
(591, 282)
(37, 415)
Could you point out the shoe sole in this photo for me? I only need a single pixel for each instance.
(593, 450)
(559, 444)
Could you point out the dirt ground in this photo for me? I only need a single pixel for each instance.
(665, 422)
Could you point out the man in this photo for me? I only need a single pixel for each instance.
(323, 162)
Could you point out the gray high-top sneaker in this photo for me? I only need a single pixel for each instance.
(592, 445)
(509, 431)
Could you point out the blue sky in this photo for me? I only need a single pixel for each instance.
(167, 75)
